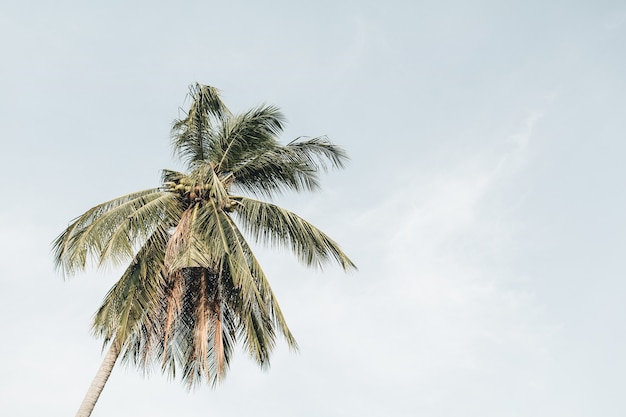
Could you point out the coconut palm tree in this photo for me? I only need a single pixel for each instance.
(193, 288)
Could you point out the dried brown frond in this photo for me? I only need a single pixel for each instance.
(179, 239)
(218, 341)
(173, 301)
(201, 330)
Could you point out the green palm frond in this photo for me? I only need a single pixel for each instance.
(113, 231)
(134, 294)
(244, 136)
(193, 136)
(319, 153)
(294, 166)
(271, 224)
(262, 284)
(257, 330)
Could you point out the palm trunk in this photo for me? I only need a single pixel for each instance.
(98, 382)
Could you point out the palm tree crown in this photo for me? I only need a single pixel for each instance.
(193, 289)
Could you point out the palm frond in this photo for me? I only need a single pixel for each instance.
(255, 304)
(201, 329)
(201, 336)
(295, 166)
(264, 288)
(244, 136)
(273, 225)
(112, 231)
(257, 329)
(193, 135)
(125, 306)
(184, 248)
(319, 153)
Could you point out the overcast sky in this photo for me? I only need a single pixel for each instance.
(484, 202)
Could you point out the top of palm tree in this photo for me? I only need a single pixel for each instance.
(246, 147)
(193, 287)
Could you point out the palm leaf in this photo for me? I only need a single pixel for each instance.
(126, 304)
(294, 166)
(193, 136)
(262, 283)
(273, 225)
(111, 232)
(244, 136)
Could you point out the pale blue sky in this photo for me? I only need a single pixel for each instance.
(484, 203)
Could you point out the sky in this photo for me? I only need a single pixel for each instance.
(483, 203)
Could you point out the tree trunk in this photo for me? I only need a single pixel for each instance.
(98, 382)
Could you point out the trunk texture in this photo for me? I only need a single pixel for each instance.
(98, 382)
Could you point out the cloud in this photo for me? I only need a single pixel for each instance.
(442, 306)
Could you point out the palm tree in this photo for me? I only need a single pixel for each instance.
(193, 288)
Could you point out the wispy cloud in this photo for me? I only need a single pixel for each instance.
(440, 299)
